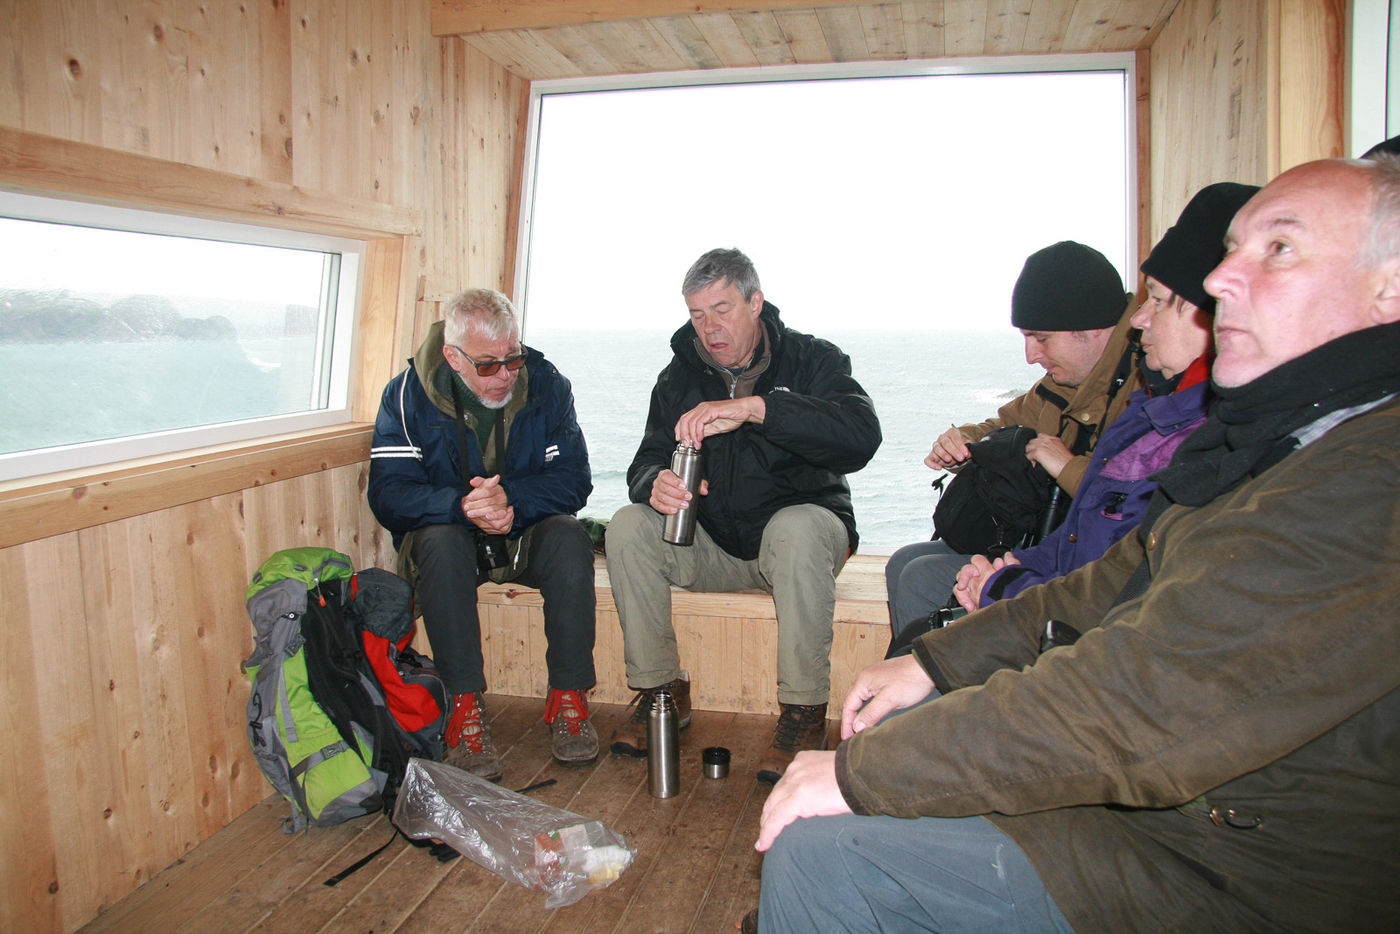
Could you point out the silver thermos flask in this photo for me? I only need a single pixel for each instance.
(663, 746)
(680, 526)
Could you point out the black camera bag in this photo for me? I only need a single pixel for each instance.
(997, 500)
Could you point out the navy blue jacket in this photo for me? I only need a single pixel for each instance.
(820, 426)
(415, 474)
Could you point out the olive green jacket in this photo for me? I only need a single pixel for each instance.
(1091, 408)
(1222, 752)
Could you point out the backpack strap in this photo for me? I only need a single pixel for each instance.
(1052, 397)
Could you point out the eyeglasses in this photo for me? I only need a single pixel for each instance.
(489, 367)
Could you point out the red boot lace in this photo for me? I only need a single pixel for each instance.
(465, 722)
(571, 705)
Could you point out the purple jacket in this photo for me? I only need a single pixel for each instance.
(1114, 492)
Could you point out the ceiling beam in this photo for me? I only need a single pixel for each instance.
(463, 17)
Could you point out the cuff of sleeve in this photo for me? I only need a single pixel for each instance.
(1002, 579)
(640, 490)
(930, 666)
(843, 781)
(1073, 473)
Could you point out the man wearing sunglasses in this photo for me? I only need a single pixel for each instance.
(477, 466)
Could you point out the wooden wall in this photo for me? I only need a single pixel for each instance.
(123, 694)
(1241, 90)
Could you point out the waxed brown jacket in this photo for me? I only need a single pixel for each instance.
(1091, 407)
(1220, 753)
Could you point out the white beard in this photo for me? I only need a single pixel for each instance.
(496, 405)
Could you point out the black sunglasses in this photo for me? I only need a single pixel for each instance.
(489, 367)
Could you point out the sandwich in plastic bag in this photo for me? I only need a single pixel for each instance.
(518, 838)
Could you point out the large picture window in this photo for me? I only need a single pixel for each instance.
(889, 213)
(127, 333)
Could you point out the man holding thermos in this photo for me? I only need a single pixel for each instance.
(777, 421)
(477, 466)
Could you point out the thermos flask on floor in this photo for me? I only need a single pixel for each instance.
(663, 746)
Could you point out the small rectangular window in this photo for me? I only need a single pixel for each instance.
(127, 333)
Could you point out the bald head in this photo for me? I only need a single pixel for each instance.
(1301, 268)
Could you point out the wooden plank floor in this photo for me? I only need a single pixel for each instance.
(695, 870)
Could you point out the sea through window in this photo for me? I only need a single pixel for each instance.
(889, 213)
(127, 333)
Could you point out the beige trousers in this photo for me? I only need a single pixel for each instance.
(803, 549)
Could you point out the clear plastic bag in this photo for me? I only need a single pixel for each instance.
(518, 838)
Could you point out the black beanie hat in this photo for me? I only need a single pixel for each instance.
(1067, 287)
(1195, 245)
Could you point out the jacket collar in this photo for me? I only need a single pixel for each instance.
(683, 340)
(1170, 413)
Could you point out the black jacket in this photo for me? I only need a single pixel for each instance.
(820, 426)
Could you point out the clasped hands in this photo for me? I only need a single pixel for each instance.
(487, 507)
(974, 576)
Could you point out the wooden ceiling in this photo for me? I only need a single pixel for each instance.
(573, 38)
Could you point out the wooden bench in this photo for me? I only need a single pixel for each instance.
(728, 641)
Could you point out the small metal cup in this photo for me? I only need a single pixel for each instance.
(716, 761)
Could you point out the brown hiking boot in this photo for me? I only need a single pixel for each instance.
(800, 727)
(572, 737)
(630, 739)
(469, 738)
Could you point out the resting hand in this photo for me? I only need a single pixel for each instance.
(1049, 452)
(974, 576)
(971, 577)
(668, 492)
(717, 418)
(949, 450)
(882, 688)
(487, 506)
(808, 788)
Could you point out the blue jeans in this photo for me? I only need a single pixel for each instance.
(852, 873)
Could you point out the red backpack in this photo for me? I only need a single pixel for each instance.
(381, 610)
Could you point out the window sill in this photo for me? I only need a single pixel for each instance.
(53, 504)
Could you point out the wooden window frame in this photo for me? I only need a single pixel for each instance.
(50, 504)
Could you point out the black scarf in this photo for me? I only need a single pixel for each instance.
(1252, 427)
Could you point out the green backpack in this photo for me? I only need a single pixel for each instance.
(325, 769)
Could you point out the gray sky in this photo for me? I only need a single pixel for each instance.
(60, 257)
(914, 199)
